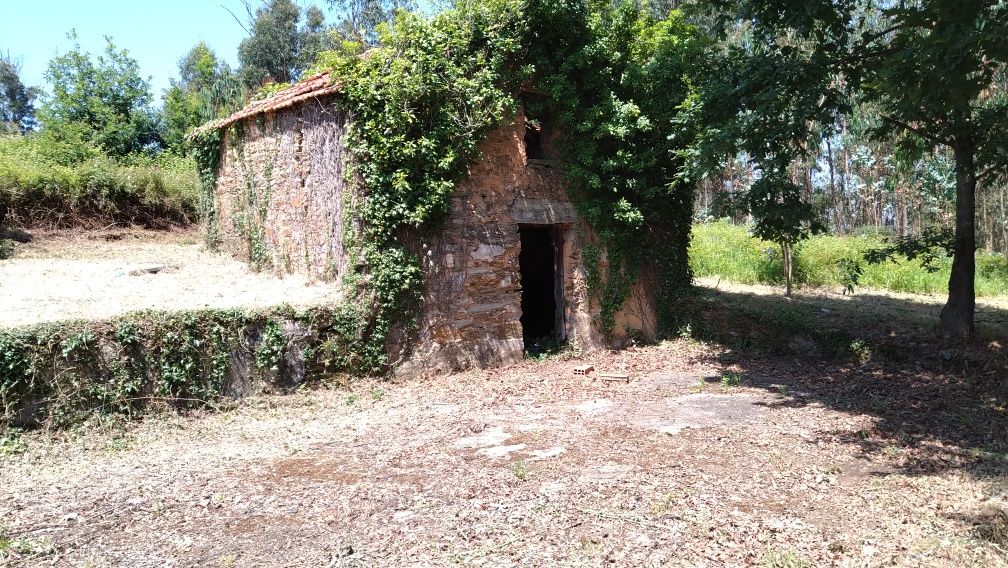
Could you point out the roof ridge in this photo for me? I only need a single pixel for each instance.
(314, 86)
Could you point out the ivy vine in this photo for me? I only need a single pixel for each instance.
(614, 79)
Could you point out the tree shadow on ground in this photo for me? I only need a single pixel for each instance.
(934, 407)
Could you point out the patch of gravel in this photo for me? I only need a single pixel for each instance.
(99, 274)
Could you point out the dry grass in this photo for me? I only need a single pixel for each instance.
(99, 274)
(804, 463)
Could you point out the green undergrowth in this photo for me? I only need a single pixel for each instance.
(721, 249)
(44, 183)
(62, 373)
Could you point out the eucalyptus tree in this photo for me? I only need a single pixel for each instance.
(283, 41)
(206, 89)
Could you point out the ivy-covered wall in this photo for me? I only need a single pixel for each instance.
(612, 78)
(279, 190)
(61, 373)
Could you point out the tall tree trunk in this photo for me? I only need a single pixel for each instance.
(957, 315)
(786, 252)
(834, 202)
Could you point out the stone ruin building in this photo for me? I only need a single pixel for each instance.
(505, 269)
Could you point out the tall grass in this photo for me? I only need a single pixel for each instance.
(42, 184)
(728, 251)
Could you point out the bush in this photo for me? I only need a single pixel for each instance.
(60, 183)
(724, 250)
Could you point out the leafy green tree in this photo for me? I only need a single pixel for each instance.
(280, 46)
(17, 102)
(770, 100)
(928, 67)
(102, 101)
(206, 89)
(361, 18)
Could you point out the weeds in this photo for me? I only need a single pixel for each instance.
(784, 559)
(860, 351)
(731, 379)
(11, 442)
(520, 471)
(36, 188)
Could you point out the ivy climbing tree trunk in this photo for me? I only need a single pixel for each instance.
(957, 315)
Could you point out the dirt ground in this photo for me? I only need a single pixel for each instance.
(99, 274)
(707, 457)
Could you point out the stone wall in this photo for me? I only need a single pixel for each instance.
(279, 199)
(472, 295)
(280, 203)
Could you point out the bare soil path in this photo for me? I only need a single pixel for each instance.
(806, 463)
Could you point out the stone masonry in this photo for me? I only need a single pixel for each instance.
(280, 199)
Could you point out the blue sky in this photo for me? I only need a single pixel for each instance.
(155, 32)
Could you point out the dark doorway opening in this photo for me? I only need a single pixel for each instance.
(541, 292)
(533, 142)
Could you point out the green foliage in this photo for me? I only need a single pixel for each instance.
(929, 247)
(728, 251)
(361, 18)
(38, 187)
(731, 379)
(431, 89)
(101, 100)
(775, 558)
(59, 374)
(269, 354)
(206, 89)
(930, 72)
(17, 102)
(280, 45)
(615, 79)
(422, 101)
(205, 148)
(860, 351)
(520, 470)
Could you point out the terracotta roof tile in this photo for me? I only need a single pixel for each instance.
(311, 87)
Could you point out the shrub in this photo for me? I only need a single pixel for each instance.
(60, 184)
(724, 250)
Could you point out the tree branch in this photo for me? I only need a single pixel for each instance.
(919, 132)
(236, 19)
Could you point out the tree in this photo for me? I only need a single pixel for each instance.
(930, 69)
(279, 47)
(206, 89)
(361, 18)
(102, 101)
(928, 66)
(17, 102)
(773, 97)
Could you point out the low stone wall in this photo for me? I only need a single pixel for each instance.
(59, 374)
